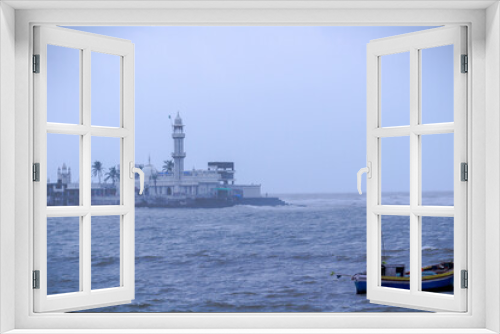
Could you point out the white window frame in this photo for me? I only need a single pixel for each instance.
(85, 297)
(484, 146)
(414, 43)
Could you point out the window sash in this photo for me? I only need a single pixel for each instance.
(86, 297)
(413, 43)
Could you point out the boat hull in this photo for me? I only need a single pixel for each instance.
(441, 282)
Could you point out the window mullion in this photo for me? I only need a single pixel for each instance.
(414, 170)
(85, 168)
(85, 254)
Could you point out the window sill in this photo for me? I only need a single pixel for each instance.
(251, 331)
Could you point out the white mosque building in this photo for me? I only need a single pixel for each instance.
(217, 181)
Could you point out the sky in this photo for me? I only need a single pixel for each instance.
(287, 105)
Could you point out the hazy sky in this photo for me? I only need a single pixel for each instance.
(286, 104)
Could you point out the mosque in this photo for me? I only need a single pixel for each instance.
(217, 181)
(171, 187)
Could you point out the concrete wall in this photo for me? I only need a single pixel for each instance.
(250, 191)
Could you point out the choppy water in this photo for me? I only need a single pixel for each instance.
(246, 258)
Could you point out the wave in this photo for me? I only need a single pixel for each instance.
(105, 261)
(246, 293)
(433, 248)
(142, 305)
(219, 304)
(149, 258)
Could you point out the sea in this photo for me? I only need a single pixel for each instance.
(293, 258)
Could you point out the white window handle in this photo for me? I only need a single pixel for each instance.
(368, 171)
(139, 171)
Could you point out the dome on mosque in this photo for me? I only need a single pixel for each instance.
(148, 171)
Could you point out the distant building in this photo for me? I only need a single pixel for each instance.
(225, 170)
(64, 192)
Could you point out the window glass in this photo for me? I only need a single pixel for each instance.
(395, 252)
(105, 170)
(437, 84)
(106, 89)
(437, 254)
(63, 255)
(105, 252)
(63, 84)
(437, 169)
(395, 89)
(63, 170)
(395, 170)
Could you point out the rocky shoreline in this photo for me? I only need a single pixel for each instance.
(162, 202)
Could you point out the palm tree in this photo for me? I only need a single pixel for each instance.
(168, 165)
(140, 166)
(97, 169)
(113, 174)
(154, 177)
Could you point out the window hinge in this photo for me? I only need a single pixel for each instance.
(36, 63)
(465, 279)
(36, 279)
(465, 64)
(464, 168)
(36, 172)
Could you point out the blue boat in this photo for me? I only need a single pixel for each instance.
(437, 277)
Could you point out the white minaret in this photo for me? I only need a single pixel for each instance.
(178, 154)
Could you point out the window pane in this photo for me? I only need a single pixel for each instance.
(63, 84)
(105, 171)
(395, 252)
(395, 89)
(106, 77)
(63, 170)
(63, 255)
(105, 252)
(395, 170)
(437, 169)
(437, 254)
(437, 84)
